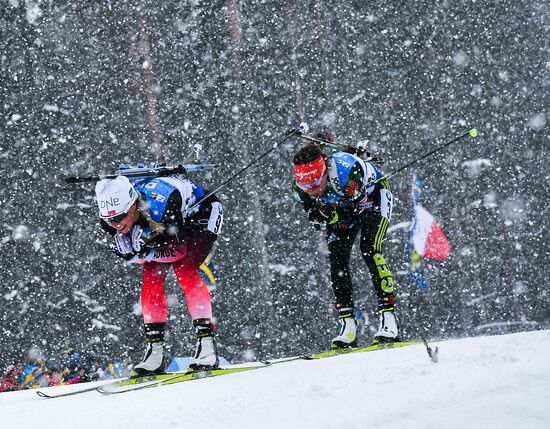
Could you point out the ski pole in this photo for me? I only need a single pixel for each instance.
(302, 131)
(332, 144)
(242, 170)
(471, 133)
(144, 172)
(361, 147)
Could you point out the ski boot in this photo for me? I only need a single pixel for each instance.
(347, 337)
(154, 360)
(206, 355)
(388, 331)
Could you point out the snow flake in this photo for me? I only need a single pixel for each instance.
(503, 75)
(20, 232)
(496, 101)
(537, 122)
(461, 59)
(489, 200)
(514, 209)
(520, 288)
(113, 137)
(101, 325)
(466, 251)
(474, 167)
(10, 295)
(51, 108)
(476, 91)
(358, 97)
(282, 269)
(33, 11)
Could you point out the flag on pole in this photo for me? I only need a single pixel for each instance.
(426, 239)
(207, 272)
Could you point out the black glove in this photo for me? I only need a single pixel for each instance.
(125, 256)
(319, 218)
(351, 149)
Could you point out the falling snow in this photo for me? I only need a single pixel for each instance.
(88, 85)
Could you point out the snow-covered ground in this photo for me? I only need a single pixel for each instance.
(484, 382)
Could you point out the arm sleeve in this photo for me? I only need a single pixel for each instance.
(208, 218)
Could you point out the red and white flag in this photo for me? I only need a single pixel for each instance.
(428, 238)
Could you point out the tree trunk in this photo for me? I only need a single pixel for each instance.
(150, 93)
(264, 294)
(296, 80)
(327, 107)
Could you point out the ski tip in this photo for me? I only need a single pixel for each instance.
(473, 132)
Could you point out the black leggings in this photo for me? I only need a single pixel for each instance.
(373, 228)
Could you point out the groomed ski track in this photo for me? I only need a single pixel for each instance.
(483, 382)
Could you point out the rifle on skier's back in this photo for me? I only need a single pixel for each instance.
(140, 170)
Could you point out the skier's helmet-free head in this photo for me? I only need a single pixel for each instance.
(309, 167)
(115, 197)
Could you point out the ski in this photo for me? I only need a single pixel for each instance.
(136, 383)
(43, 394)
(166, 379)
(371, 348)
(139, 383)
(125, 381)
(269, 362)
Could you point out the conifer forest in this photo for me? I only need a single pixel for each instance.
(87, 85)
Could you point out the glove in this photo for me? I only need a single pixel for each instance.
(137, 241)
(303, 128)
(123, 244)
(318, 218)
(362, 146)
(351, 149)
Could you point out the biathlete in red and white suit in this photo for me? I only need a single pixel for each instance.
(155, 223)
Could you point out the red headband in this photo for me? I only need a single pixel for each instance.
(310, 172)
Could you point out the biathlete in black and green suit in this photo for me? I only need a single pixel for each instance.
(340, 195)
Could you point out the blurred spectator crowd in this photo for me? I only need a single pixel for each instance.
(37, 371)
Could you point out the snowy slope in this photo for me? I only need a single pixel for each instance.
(485, 382)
